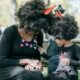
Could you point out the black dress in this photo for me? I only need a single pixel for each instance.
(12, 49)
(73, 53)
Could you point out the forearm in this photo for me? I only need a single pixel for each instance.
(75, 63)
(45, 56)
(4, 62)
(8, 62)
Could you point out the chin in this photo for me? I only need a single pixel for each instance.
(60, 45)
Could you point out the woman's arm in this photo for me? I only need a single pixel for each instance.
(5, 49)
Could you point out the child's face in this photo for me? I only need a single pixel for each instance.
(60, 42)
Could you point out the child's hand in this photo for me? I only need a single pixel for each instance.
(40, 50)
(65, 61)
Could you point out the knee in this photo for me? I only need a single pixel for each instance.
(38, 75)
(29, 75)
(25, 75)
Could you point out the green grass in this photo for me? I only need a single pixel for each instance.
(78, 74)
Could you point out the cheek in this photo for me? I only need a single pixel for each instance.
(59, 42)
(30, 33)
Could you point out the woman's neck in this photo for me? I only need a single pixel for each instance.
(24, 35)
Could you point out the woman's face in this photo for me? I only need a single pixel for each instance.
(31, 32)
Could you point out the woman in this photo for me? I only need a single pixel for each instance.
(68, 58)
(20, 44)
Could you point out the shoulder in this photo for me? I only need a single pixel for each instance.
(9, 32)
(76, 47)
(10, 29)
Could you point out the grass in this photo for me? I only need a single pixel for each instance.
(78, 74)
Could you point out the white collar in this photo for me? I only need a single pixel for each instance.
(69, 45)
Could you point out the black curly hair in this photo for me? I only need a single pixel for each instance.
(66, 28)
(31, 16)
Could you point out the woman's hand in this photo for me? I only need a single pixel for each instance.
(34, 68)
(39, 67)
(30, 68)
(31, 62)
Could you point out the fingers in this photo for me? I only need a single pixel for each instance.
(30, 68)
(34, 65)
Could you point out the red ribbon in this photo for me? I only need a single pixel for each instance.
(48, 10)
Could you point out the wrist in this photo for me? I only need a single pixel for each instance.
(23, 61)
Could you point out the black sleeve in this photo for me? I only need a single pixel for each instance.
(77, 56)
(45, 56)
(5, 47)
(40, 43)
(40, 39)
(52, 50)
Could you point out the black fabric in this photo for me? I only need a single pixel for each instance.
(52, 50)
(44, 55)
(53, 63)
(11, 71)
(19, 73)
(52, 56)
(59, 76)
(62, 76)
(27, 75)
(73, 53)
(6, 43)
(11, 51)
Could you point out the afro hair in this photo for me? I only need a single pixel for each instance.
(31, 14)
(66, 28)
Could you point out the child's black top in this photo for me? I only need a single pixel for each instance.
(73, 53)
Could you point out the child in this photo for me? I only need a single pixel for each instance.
(69, 56)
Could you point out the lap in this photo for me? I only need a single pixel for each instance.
(17, 72)
(10, 71)
(53, 63)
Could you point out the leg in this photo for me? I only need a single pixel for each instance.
(25, 75)
(74, 78)
(10, 72)
(59, 76)
(28, 75)
(53, 63)
(19, 73)
(37, 76)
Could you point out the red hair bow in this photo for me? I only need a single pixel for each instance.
(48, 10)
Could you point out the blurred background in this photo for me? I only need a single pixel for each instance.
(8, 9)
